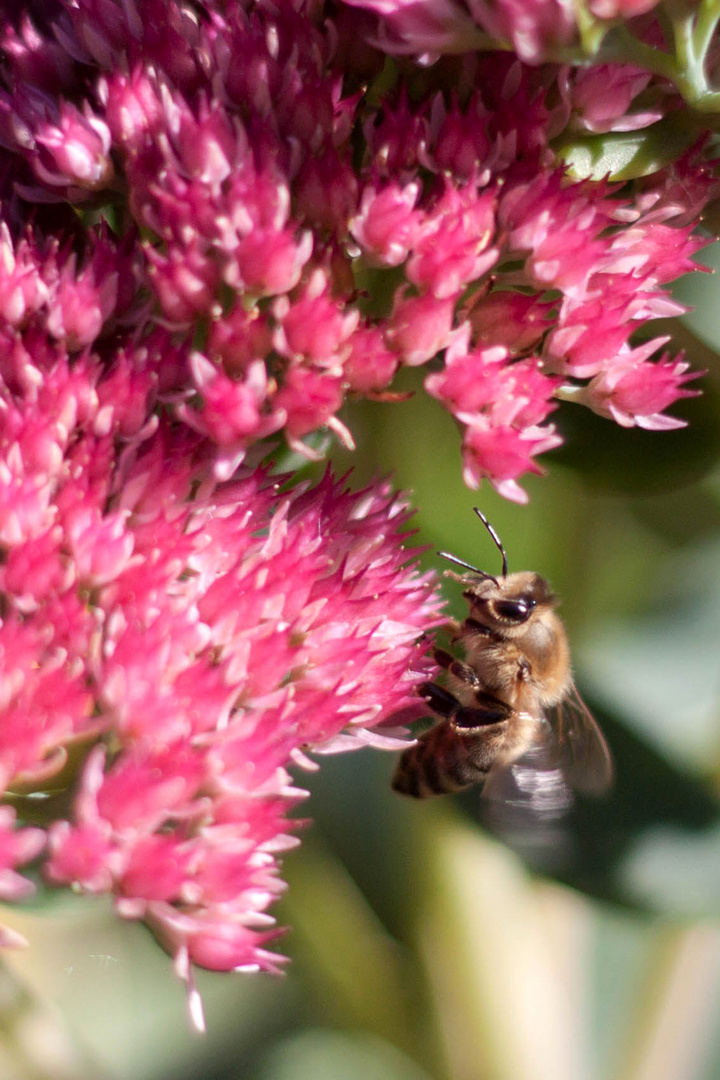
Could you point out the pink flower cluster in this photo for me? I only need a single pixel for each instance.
(218, 222)
(170, 643)
(268, 186)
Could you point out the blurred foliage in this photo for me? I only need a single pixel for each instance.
(422, 947)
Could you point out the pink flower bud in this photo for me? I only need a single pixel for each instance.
(80, 304)
(420, 326)
(270, 261)
(387, 226)
(101, 546)
(309, 398)
(314, 326)
(22, 291)
(453, 247)
(79, 148)
(510, 319)
(185, 282)
(370, 365)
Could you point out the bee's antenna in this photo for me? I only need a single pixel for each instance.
(466, 565)
(496, 538)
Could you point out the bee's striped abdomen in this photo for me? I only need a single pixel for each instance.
(444, 760)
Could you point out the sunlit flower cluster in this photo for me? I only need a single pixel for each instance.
(170, 644)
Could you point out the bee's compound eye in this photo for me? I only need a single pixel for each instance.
(515, 610)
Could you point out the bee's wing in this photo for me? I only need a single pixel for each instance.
(526, 798)
(582, 752)
(530, 780)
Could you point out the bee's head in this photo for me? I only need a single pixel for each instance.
(507, 602)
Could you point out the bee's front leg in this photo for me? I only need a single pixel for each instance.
(456, 667)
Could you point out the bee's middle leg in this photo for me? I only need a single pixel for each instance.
(488, 710)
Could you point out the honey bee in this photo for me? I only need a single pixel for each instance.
(510, 718)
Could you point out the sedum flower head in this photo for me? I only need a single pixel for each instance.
(171, 644)
(270, 177)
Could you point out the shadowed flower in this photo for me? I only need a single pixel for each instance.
(266, 199)
(306, 233)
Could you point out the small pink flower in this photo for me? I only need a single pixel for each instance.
(653, 251)
(82, 854)
(557, 225)
(185, 282)
(470, 382)
(588, 336)
(270, 261)
(233, 413)
(453, 247)
(100, 544)
(308, 398)
(80, 304)
(125, 397)
(22, 290)
(635, 392)
(501, 454)
(326, 192)
(37, 569)
(313, 325)
(239, 337)
(134, 107)
(397, 139)
(218, 943)
(485, 382)
(36, 59)
(461, 141)
(370, 365)
(602, 97)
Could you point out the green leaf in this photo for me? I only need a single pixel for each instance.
(626, 155)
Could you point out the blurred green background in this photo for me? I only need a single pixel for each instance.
(421, 947)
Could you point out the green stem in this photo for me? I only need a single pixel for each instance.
(622, 47)
(706, 22)
(692, 31)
